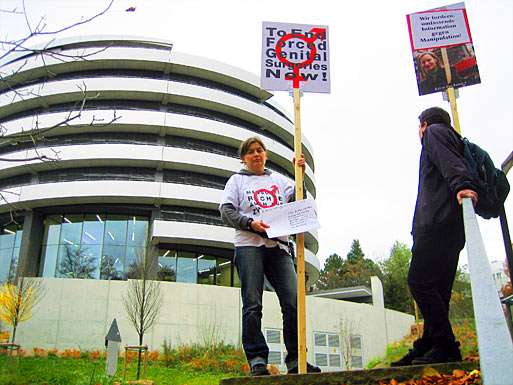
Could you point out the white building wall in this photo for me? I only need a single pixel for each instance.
(77, 313)
(499, 274)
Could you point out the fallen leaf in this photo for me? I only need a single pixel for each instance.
(427, 372)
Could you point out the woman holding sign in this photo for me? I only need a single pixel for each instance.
(246, 193)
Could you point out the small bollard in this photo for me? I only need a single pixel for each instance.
(112, 342)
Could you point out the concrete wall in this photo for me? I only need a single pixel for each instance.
(77, 313)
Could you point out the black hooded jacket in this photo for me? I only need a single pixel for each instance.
(442, 174)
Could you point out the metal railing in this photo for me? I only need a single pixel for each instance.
(493, 336)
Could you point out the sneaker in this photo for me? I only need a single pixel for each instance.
(309, 369)
(417, 352)
(260, 370)
(440, 354)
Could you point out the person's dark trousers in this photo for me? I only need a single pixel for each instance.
(277, 266)
(432, 271)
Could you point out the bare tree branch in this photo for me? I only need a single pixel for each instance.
(14, 11)
(38, 135)
(82, 21)
(39, 30)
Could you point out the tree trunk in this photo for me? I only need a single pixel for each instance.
(139, 357)
(13, 333)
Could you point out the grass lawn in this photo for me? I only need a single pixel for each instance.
(78, 371)
(464, 330)
(187, 365)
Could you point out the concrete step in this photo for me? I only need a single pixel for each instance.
(356, 377)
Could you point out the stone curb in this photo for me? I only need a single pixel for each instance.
(355, 377)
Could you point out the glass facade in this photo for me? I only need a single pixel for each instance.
(107, 246)
(10, 241)
(182, 266)
(92, 246)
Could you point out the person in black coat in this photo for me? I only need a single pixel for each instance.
(434, 77)
(438, 236)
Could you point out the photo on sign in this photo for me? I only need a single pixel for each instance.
(431, 74)
(443, 53)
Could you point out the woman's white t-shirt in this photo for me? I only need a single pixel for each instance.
(249, 194)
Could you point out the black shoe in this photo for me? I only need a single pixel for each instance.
(309, 369)
(418, 351)
(260, 370)
(440, 354)
(406, 360)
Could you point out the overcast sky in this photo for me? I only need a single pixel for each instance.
(365, 132)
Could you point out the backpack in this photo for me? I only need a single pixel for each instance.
(493, 185)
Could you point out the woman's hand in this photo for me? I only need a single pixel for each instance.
(301, 163)
(259, 226)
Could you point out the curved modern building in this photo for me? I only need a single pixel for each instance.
(112, 143)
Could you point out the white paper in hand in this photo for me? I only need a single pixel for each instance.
(290, 218)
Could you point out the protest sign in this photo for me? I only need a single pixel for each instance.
(295, 56)
(290, 218)
(442, 49)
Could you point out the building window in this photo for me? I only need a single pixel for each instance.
(10, 241)
(166, 265)
(92, 246)
(194, 179)
(277, 350)
(327, 350)
(97, 173)
(186, 267)
(207, 270)
(190, 267)
(224, 268)
(356, 352)
(191, 215)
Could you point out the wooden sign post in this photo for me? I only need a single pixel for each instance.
(300, 242)
(451, 92)
(294, 54)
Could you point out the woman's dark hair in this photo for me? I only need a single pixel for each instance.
(435, 115)
(244, 146)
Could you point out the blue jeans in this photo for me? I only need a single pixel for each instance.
(277, 266)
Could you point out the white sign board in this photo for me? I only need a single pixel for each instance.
(440, 38)
(441, 28)
(295, 56)
(290, 218)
